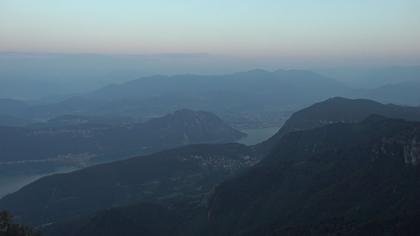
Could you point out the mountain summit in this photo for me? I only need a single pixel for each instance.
(336, 110)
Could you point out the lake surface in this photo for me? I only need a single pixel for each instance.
(12, 183)
(257, 135)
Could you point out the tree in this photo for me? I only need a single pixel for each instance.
(9, 228)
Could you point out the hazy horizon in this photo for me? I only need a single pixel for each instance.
(37, 75)
(209, 117)
(290, 34)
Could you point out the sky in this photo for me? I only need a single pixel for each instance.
(349, 31)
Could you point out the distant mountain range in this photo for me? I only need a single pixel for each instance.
(399, 93)
(291, 88)
(231, 96)
(280, 83)
(335, 167)
(252, 98)
(373, 77)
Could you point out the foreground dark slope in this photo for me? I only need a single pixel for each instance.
(342, 179)
(335, 110)
(114, 141)
(185, 173)
(145, 219)
(320, 180)
(335, 180)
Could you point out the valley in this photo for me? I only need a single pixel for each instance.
(209, 118)
(231, 183)
(257, 135)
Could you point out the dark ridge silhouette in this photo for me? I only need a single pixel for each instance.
(338, 109)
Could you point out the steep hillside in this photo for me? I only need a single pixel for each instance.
(335, 110)
(185, 173)
(83, 139)
(341, 179)
(329, 178)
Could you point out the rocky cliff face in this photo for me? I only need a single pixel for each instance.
(412, 152)
(405, 146)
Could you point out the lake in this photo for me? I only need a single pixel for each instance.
(10, 184)
(257, 135)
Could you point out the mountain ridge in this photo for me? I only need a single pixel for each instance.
(333, 175)
(179, 128)
(191, 170)
(338, 109)
(323, 173)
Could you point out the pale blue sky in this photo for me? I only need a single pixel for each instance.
(295, 29)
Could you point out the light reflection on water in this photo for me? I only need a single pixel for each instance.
(11, 183)
(257, 135)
